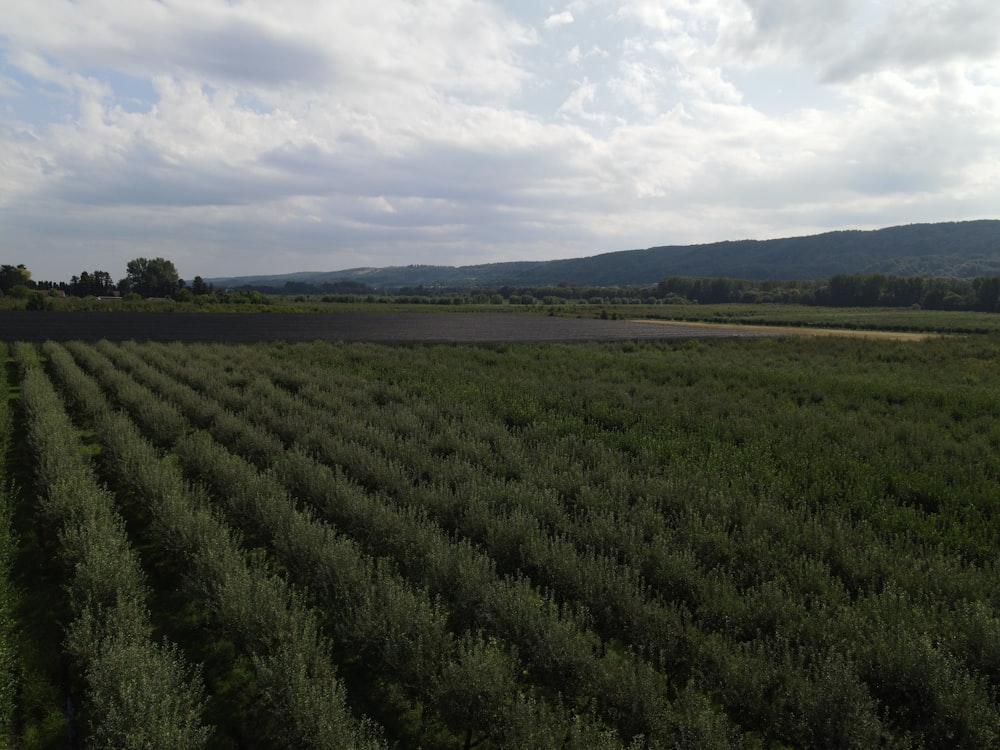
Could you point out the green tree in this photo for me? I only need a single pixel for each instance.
(987, 292)
(154, 277)
(183, 295)
(11, 276)
(97, 284)
(199, 287)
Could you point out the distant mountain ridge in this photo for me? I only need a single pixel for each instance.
(965, 249)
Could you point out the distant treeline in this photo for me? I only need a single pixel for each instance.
(842, 290)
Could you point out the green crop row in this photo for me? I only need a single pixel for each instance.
(138, 693)
(8, 546)
(747, 543)
(375, 615)
(253, 605)
(547, 637)
(627, 609)
(838, 588)
(804, 619)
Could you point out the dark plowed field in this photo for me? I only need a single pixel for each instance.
(252, 327)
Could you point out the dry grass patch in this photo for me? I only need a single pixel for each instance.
(805, 331)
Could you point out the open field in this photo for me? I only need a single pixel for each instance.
(851, 318)
(728, 542)
(787, 315)
(416, 325)
(368, 326)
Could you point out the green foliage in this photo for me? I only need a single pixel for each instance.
(728, 543)
(96, 284)
(12, 277)
(947, 250)
(154, 277)
(252, 604)
(839, 291)
(38, 301)
(183, 295)
(8, 548)
(138, 694)
(122, 676)
(846, 318)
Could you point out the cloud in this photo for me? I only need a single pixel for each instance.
(559, 19)
(238, 138)
(576, 103)
(9, 87)
(920, 35)
(768, 29)
(464, 45)
(843, 39)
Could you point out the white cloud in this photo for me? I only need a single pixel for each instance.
(559, 19)
(576, 103)
(240, 138)
(923, 35)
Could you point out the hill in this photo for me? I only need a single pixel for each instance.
(949, 249)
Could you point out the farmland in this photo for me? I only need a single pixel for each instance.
(732, 542)
(465, 327)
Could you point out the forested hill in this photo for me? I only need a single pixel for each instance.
(953, 249)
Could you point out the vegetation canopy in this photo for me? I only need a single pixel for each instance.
(754, 543)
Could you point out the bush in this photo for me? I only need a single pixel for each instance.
(38, 301)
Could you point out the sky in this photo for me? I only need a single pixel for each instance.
(250, 137)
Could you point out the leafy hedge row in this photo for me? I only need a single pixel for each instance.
(746, 544)
(556, 648)
(139, 693)
(823, 512)
(244, 595)
(8, 547)
(396, 630)
(778, 633)
(373, 613)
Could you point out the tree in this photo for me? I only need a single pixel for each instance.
(987, 293)
(152, 278)
(98, 284)
(199, 287)
(11, 276)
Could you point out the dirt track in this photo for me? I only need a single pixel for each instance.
(376, 326)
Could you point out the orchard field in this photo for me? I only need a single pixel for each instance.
(756, 542)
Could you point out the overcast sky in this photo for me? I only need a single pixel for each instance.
(239, 138)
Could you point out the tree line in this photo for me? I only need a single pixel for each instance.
(158, 278)
(144, 277)
(841, 290)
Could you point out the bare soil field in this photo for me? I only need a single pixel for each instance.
(385, 327)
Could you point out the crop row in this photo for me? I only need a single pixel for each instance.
(138, 693)
(252, 605)
(396, 629)
(626, 609)
(478, 598)
(753, 544)
(884, 622)
(780, 604)
(8, 679)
